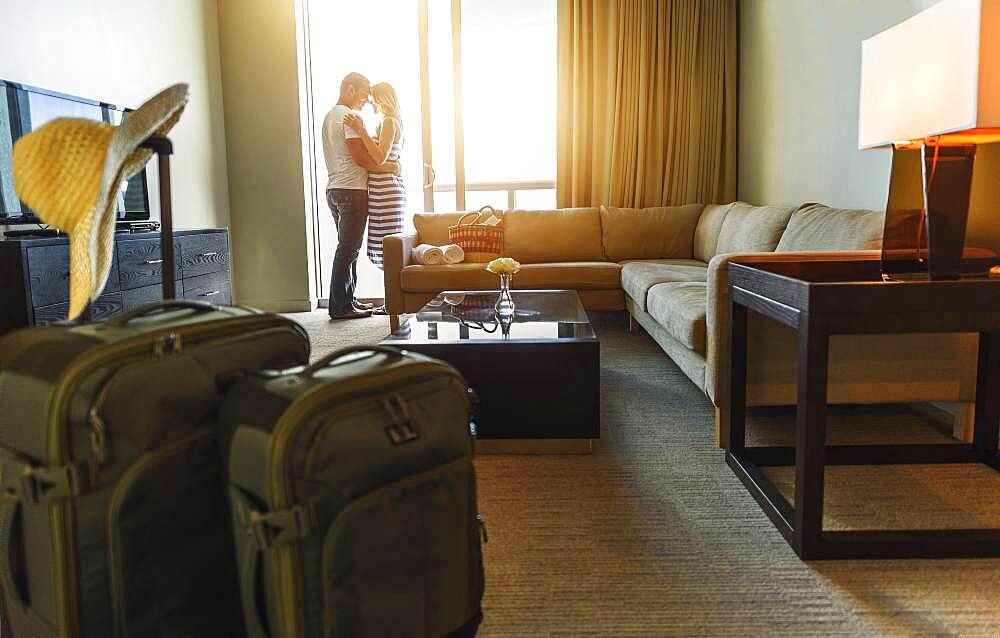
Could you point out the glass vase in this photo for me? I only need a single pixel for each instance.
(505, 304)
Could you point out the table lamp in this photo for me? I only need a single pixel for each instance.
(930, 90)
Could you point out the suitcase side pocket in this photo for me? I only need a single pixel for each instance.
(170, 546)
(249, 560)
(18, 611)
(396, 561)
(15, 609)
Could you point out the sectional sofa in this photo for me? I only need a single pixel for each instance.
(668, 267)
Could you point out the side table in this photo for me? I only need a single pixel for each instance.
(822, 298)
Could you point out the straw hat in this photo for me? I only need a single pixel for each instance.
(69, 172)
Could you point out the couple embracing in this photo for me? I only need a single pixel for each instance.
(364, 185)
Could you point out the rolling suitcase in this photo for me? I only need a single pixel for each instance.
(354, 498)
(114, 520)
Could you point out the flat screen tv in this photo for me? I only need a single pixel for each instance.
(25, 108)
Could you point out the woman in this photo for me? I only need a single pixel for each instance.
(386, 193)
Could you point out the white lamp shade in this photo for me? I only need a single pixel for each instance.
(937, 73)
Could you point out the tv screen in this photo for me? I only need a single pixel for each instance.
(24, 109)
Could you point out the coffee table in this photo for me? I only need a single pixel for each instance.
(537, 375)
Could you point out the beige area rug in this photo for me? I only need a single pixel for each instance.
(653, 535)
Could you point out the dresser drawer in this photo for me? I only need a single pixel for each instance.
(140, 262)
(135, 297)
(213, 288)
(105, 306)
(48, 270)
(204, 253)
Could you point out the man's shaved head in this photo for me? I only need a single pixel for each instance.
(355, 81)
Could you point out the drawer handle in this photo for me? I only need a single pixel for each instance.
(153, 261)
(212, 254)
(210, 294)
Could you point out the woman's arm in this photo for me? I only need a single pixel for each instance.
(379, 151)
(388, 167)
(363, 159)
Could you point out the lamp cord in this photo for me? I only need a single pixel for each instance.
(937, 147)
(935, 142)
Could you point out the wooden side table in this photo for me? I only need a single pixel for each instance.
(823, 298)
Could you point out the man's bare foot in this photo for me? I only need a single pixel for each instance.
(363, 305)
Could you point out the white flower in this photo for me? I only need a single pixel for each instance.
(503, 266)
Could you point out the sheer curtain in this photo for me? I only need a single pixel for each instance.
(646, 103)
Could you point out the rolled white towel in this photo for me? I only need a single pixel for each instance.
(427, 255)
(453, 254)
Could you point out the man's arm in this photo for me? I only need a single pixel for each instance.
(360, 155)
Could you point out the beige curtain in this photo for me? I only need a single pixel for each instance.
(647, 102)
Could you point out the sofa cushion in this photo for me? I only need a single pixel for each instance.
(547, 236)
(706, 235)
(752, 229)
(591, 275)
(815, 227)
(432, 228)
(639, 276)
(680, 308)
(663, 232)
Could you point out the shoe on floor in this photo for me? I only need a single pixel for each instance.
(379, 310)
(363, 305)
(353, 313)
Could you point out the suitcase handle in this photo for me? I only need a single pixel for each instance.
(331, 358)
(157, 307)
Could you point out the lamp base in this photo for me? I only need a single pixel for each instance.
(926, 276)
(971, 269)
(927, 211)
(947, 187)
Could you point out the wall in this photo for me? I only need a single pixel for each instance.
(259, 46)
(800, 65)
(124, 52)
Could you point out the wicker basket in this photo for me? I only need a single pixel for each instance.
(480, 242)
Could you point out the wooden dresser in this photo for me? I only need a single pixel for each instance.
(34, 275)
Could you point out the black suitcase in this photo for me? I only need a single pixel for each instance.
(354, 498)
(114, 520)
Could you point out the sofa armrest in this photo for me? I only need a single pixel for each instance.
(396, 255)
(717, 305)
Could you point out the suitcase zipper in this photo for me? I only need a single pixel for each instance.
(99, 452)
(61, 513)
(288, 557)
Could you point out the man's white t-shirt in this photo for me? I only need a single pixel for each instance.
(342, 170)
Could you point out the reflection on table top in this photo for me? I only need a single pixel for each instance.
(539, 315)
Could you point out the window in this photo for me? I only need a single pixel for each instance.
(476, 80)
(509, 90)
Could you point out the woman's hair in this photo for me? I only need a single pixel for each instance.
(384, 98)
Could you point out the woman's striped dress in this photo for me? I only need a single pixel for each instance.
(386, 203)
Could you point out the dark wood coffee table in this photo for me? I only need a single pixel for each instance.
(538, 378)
(823, 298)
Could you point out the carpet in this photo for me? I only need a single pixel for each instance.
(653, 535)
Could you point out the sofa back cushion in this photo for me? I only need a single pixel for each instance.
(752, 229)
(815, 227)
(706, 235)
(545, 236)
(663, 232)
(432, 228)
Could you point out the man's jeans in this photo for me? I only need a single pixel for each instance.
(350, 214)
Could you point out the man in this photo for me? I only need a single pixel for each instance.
(347, 164)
